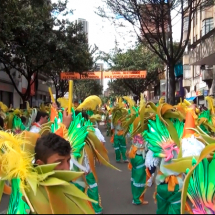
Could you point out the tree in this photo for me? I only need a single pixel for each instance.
(85, 88)
(138, 58)
(77, 56)
(153, 22)
(118, 89)
(33, 40)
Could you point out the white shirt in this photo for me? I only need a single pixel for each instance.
(35, 129)
(99, 135)
(191, 147)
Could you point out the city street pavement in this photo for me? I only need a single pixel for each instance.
(114, 188)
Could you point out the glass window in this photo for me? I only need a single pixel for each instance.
(207, 26)
(186, 19)
(187, 71)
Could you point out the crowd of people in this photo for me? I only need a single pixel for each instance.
(172, 146)
(48, 155)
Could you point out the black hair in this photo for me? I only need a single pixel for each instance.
(84, 114)
(1, 122)
(41, 114)
(51, 144)
(23, 119)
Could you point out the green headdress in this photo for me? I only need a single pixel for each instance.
(163, 140)
(205, 121)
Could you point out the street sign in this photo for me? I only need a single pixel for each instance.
(99, 75)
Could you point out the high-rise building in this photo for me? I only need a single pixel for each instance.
(100, 67)
(85, 25)
(198, 59)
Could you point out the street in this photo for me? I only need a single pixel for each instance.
(114, 188)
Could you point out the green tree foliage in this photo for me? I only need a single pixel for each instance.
(33, 40)
(76, 57)
(138, 58)
(85, 88)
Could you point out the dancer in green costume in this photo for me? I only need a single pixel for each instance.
(138, 173)
(93, 193)
(119, 143)
(169, 183)
(137, 156)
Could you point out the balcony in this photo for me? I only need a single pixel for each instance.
(202, 52)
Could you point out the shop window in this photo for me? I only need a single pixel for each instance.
(207, 26)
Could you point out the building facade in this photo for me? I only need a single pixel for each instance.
(199, 57)
(9, 95)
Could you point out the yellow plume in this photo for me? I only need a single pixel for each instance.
(91, 102)
(17, 112)
(129, 100)
(142, 102)
(95, 118)
(210, 103)
(3, 107)
(14, 161)
(162, 100)
(64, 102)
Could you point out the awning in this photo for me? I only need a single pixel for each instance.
(191, 98)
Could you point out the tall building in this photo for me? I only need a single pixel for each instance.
(85, 25)
(198, 59)
(100, 67)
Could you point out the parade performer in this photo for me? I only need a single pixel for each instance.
(41, 118)
(137, 156)
(173, 142)
(163, 146)
(119, 142)
(88, 148)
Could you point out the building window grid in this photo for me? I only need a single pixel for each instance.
(187, 72)
(186, 20)
(207, 26)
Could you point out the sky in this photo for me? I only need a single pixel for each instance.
(101, 32)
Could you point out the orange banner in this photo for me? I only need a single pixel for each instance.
(99, 75)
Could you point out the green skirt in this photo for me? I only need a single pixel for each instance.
(168, 202)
